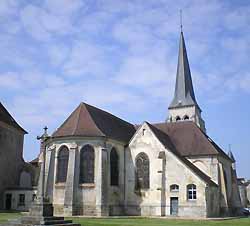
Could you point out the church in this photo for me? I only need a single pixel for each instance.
(100, 165)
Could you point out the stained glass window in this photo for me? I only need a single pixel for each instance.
(142, 171)
(87, 165)
(62, 164)
(114, 167)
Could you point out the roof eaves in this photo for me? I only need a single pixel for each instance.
(196, 170)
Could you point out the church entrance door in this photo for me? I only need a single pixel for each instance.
(174, 206)
(8, 201)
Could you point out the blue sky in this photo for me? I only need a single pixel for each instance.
(121, 55)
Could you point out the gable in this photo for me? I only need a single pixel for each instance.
(6, 117)
(165, 141)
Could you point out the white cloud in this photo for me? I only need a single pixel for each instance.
(65, 7)
(8, 8)
(10, 80)
(58, 53)
(87, 58)
(31, 19)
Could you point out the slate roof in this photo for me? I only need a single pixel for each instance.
(166, 141)
(184, 92)
(190, 140)
(87, 120)
(6, 117)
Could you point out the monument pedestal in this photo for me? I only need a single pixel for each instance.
(40, 214)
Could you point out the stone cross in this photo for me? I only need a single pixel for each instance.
(43, 139)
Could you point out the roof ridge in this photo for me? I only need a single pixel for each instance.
(68, 118)
(85, 105)
(106, 112)
(78, 117)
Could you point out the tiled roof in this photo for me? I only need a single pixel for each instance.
(166, 141)
(189, 139)
(87, 120)
(6, 117)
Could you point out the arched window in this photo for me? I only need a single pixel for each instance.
(178, 118)
(174, 187)
(186, 117)
(87, 165)
(142, 171)
(191, 192)
(62, 164)
(114, 167)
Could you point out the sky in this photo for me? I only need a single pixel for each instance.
(121, 56)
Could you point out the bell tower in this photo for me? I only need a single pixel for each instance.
(184, 105)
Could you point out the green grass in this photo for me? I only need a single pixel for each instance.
(141, 221)
(4, 216)
(157, 222)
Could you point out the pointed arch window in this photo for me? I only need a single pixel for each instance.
(142, 171)
(191, 192)
(87, 165)
(186, 117)
(114, 167)
(62, 164)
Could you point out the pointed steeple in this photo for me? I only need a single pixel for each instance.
(184, 92)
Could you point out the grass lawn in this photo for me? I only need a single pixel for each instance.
(141, 221)
(4, 216)
(157, 222)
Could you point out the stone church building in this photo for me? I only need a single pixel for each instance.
(98, 164)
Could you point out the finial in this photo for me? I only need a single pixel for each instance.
(181, 19)
(45, 134)
(45, 129)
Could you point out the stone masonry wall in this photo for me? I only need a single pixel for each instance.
(11, 149)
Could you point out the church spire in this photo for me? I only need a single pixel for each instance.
(184, 106)
(184, 92)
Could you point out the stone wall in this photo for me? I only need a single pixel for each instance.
(248, 194)
(207, 164)
(230, 196)
(29, 194)
(192, 112)
(11, 150)
(72, 198)
(151, 202)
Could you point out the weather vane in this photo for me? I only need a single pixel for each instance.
(181, 19)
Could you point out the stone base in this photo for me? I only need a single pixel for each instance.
(41, 209)
(39, 220)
